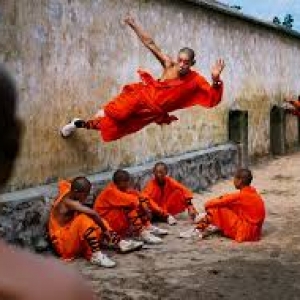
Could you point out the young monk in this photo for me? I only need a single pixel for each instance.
(128, 211)
(27, 276)
(75, 229)
(171, 196)
(239, 215)
(151, 100)
(295, 103)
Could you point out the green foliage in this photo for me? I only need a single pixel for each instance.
(237, 7)
(276, 21)
(287, 21)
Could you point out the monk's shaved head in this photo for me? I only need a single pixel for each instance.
(160, 172)
(81, 185)
(245, 176)
(190, 53)
(122, 180)
(121, 176)
(161, 164)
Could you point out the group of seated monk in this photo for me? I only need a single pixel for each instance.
(122, 216)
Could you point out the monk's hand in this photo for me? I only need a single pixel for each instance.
(217, 69)
(145, 207)
(192, 212)
(129, 20)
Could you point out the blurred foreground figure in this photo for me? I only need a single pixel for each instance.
(25, 275)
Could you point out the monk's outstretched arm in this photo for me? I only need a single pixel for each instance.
(148, 42)
(222, 201)
(156, 209)
(77, 206)
(208, 95)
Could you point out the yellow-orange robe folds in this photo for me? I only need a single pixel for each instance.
(173, 197)
(150, 100)
(124, 211)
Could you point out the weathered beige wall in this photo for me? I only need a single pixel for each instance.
(292, 131)
(71, 56)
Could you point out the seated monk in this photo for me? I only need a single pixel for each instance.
(76, 230)
(151, 100)
(295, 103)
(238, 216)
(128, 211)
(171, 196)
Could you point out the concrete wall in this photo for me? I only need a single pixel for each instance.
(71, 56)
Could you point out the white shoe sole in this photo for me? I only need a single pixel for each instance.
(69, 128)
(101, 263)
(135, 245)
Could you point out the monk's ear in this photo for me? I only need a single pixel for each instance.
(193, 62)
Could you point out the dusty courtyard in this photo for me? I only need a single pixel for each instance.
(218, 268)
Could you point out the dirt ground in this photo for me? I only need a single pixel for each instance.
(218, 268)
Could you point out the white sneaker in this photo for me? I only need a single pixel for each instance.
(100, 259)
(191, 233)
(149, 238)
(68, 129)
(171, 220)
(130, 245)
(212, 229)
(157, 231)
(199, 217)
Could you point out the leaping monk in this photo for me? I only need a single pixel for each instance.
(152, 100)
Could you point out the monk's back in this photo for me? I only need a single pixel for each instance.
(251, 206)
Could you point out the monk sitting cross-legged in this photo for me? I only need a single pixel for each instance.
(152, 100)
(170, 195)
(239, 216)
(76, 230)
(128, 211)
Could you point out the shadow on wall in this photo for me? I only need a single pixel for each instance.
(238, 134)
(277, 131)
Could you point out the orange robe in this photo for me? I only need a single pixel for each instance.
(296, 110)
(123, 210)
(239, 215)
(79, 237)
(172, 198)
(150, 100)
